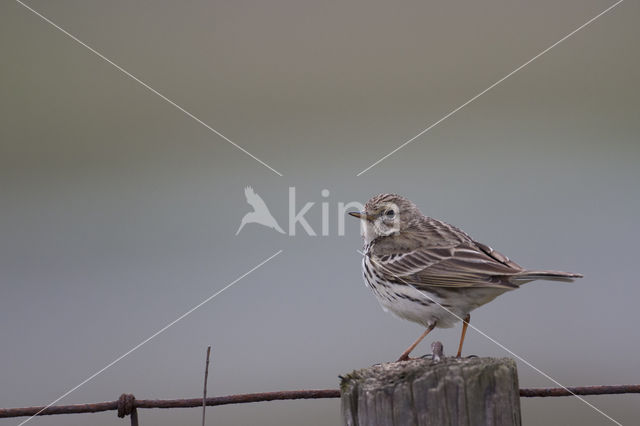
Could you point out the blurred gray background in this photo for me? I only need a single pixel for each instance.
(118, 212)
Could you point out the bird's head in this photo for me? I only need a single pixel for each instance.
(385, 215)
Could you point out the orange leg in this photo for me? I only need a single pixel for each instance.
(405, 354)
(465, 324)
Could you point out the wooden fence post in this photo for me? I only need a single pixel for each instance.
(468, 391)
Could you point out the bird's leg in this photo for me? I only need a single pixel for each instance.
(405, 354)
(465, 324)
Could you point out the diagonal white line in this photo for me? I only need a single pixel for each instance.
(153, 335)
(491, 87)
(548, 377)
(146, 86)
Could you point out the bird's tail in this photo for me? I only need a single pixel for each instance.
(526, 276)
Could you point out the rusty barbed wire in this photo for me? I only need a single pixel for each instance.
(171, 403)
(579, 390)
(274, 396)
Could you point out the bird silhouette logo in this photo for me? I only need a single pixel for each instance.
(260, 213)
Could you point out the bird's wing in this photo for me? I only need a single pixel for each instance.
(452, 259)
(254, 200)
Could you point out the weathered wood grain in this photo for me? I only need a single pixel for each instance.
(465, 392)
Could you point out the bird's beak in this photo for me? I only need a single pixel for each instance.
(359, 215)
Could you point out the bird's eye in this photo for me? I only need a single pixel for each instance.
(390, 213)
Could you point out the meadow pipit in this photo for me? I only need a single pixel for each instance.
(416, 265)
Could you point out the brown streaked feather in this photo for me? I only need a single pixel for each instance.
(434, 253)
(452, 271)
(427, 252)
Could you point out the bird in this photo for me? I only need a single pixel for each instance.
(260, 213)
(432, 273)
